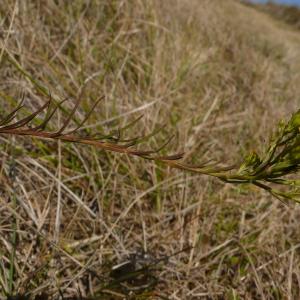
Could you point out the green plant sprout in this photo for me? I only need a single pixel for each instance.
(281, 159)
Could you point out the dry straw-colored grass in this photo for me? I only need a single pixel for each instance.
(287, 13)
(218, 75)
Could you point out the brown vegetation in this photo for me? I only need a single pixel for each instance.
(217, 75)
(287, 13)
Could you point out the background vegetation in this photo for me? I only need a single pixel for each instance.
(286, 13)
(218, 75)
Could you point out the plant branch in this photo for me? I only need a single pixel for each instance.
(282, 157)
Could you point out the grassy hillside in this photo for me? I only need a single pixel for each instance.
(286, 13)
(218, 76)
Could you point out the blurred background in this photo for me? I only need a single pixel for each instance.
(286, 2)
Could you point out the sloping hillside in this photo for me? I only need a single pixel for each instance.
(288, 14)
(219, 76)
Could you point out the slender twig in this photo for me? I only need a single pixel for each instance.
(282, 157)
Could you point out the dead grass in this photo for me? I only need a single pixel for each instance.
(288, 14)
(219, 76)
